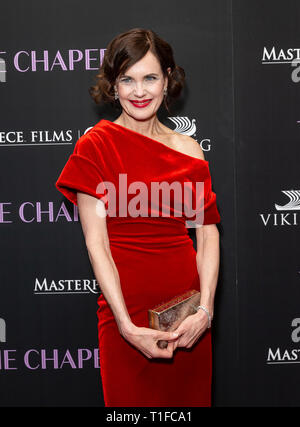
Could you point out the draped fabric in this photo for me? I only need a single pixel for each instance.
(153, 253)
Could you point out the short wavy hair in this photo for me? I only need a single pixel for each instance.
(125, 50)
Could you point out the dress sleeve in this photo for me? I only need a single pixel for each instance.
(204, 201)
(82, 172)
(211, 213)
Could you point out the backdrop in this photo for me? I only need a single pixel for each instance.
(242, 62)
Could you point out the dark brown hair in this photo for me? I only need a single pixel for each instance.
(125, 50)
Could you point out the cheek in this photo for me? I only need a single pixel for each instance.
(156, 90)
(124, 91)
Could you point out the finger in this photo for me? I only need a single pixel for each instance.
(177, 333)
(167, 336)
(171, 345)
(179, 343)
(165, 353)
(148, 355)
(174, 346)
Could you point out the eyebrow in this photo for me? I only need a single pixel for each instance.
(150, 74)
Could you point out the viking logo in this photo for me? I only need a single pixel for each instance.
(293, 204)
(184, 125)
(2, 70)
(2, 330)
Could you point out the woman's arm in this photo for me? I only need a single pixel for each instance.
(207, 258)
(208, 262)
(97, 242)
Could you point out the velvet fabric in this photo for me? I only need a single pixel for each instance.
(154, 256)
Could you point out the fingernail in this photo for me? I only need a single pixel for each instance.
(175, 334)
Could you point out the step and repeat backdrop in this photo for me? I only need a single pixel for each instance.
(266, 79)
(241, 103)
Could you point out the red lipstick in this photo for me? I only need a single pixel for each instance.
(140, 104)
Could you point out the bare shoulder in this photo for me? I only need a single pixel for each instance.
(188, 145)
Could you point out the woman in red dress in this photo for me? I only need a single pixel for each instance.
(141, 259)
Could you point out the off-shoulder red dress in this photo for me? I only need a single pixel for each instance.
(155, 258)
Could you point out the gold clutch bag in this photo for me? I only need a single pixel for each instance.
(167, 316)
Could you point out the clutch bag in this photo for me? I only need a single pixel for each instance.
(168, 315)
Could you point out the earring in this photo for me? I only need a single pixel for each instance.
(116, 95)
(165, 91)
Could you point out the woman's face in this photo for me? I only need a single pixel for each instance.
(141, 87)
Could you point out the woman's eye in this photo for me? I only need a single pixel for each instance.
(129, 79)
(126, 80)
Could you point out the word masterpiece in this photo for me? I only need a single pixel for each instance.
(182, 195)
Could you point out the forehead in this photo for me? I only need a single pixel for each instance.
(148, 64)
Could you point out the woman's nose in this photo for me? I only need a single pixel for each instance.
(139, 89)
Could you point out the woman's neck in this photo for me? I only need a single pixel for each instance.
(150, 127)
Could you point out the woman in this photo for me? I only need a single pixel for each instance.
(141, 260)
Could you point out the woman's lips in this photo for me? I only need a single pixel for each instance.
(141, 104)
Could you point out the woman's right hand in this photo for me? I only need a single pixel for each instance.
(145, 340)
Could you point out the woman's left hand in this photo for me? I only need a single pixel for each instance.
(190, 330)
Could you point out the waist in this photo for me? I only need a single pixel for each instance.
(144, 232)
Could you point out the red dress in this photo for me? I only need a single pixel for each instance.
(155, 259)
